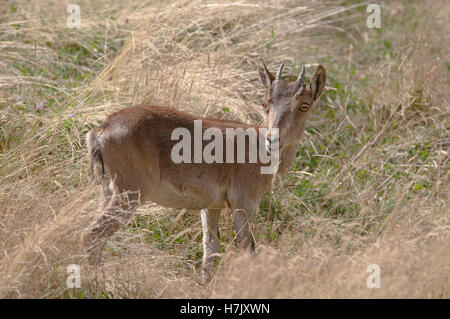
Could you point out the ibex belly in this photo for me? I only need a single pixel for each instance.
(189, 196)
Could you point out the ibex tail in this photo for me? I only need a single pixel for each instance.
(93, 141)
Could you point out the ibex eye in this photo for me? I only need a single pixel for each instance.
(304, 107)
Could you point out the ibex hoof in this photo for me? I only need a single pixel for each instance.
(92, 249)
(206, 276)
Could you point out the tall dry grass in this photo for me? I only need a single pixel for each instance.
(370, 184)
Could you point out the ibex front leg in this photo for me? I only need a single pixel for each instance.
(210, 225)
(243, 216)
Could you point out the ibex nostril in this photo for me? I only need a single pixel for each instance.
(272, 143)
(268, 145)
(275, 140)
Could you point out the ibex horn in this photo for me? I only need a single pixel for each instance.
(280, 70)
(301, 77)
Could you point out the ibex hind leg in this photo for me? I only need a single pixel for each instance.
(210, 225)
(106, 191)
(118, 211)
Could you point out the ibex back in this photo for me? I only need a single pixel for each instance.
(130, 155)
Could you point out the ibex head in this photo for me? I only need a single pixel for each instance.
(287, 105)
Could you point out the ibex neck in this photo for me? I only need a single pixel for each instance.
(289, 150)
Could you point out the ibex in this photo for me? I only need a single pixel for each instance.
(130, 154)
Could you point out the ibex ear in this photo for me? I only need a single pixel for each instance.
(318, 82)
(266, 77)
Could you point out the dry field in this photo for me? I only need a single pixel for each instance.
(370, 183)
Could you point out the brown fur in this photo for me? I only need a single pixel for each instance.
(131, 157)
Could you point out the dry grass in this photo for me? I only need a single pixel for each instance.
(370, 184)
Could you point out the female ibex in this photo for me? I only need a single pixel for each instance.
(130, 155)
